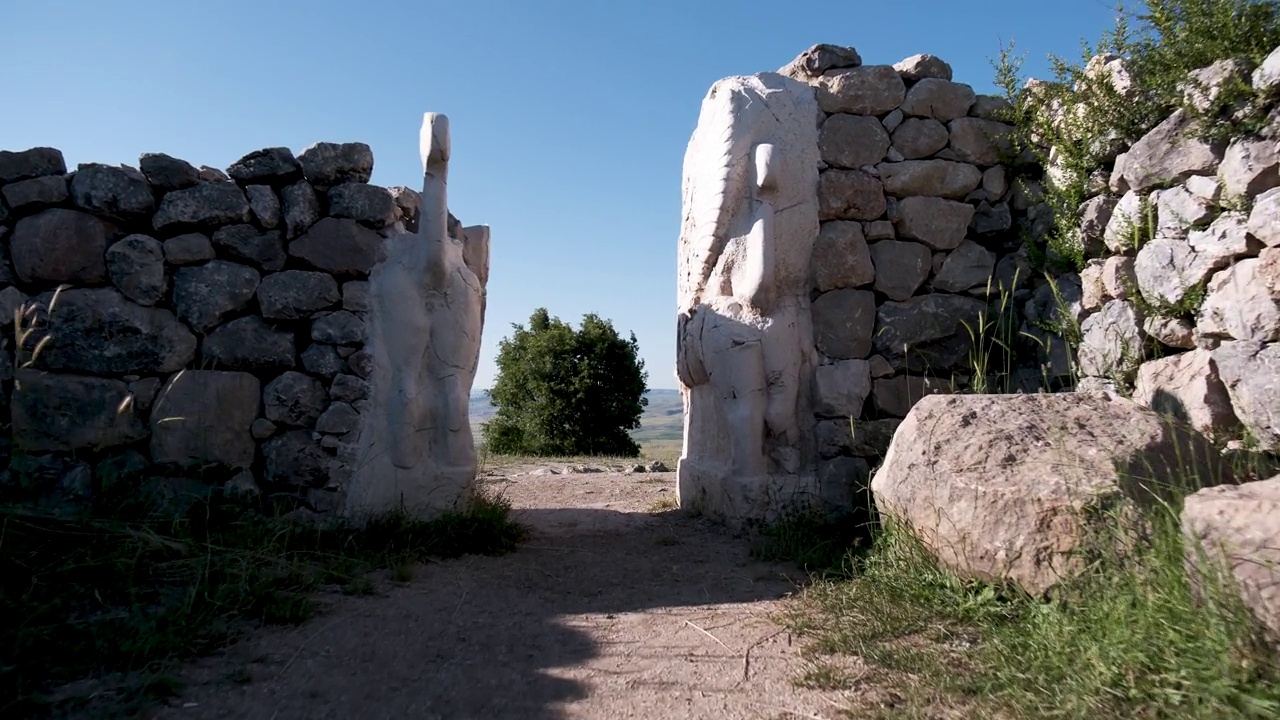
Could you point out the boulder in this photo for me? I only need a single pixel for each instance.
(1241, 303)
(1168, 268)
(840, 258)
(205, 205)
(56, 412)
(1249, 167)
(295, 294)
(840, 389)
(27, 196)
(1187, 387)
(248, 243)
(922, 67)
(98, 330)
(205, 417)
(968, 266)
(269, 166)
(1112, 343)
(850, 195)
(249, 343)
(203, 296)
(1009, 488)
(863, 90)
(1235, 530)
(852, 141)
(326, 164)
(188, 249)
(917, 138)
(926, 333)
(980, 142)
(166, 173)
(338, 328)
(1251, 372)
(36, 162)
(817, 60)
(858, 438)
(294, 398)
(136, 266)
(115, 192)
(369, 205)
(61, 246)
(940, 224)
(300, 208)
(938, 99)
(295, 459)
(339, 246)
(901, 267)
(896, 396)
(1264, 219)
(935, 178)
(265, 205)
(1169, 154)
(842, 323)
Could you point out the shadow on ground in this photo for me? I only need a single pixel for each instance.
(636, 613)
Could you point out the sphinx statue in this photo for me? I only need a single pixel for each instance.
(745, 352)
(415, 450)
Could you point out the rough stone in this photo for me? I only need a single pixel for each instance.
(323, 360)
(205, 205)
(205, 417)
(113, 192)
(166, 172)
(918, 138)
(840, 257)
(1204, 88)
(26, 196)
(326, 164)
(895, 396)
(338, 418)
(815, 61)
(969, 265)
(900, 267)
(852, 141)
(1251, 372)
(989, 107)
(864, 90)
(249, 343)
(940, 224)
(367, 204)
(995, 182)
(1168, 268)
(262, 428)
(265, 205)
(934, 178)
(1264, 219)
(1169, 154)
(849, 195)
(269, 166)
(295, 458)
(61, 246)
(926, 333)
(25, 164)
(1233, 529)
(842, 323)
(1002, 487)
(866, 438)
(892, 121)
(339, 246)
(409, 203)
(1093, 291)
(980, 142)
(939, 99)
(1179, 210)
(349, 388)
(338, 328)
(842, 482)
(58, 412)
(246, 242)
(1126, 219)
(355, 296)
(205, 295)
(301, 208)
(1119, 277)
(1174, 332)
(1111, 344)
(294, 398)
(1249, 167)
(1187, 387)
(1095, 217)
(922, 67)
(98, 330)
(188, 249)
(879, 230)
(1225, 240)
(1240, 305)
(989, 219)
(136, 266)
(295, 294)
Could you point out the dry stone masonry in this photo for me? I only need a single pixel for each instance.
(1181, 294)
(282, 328)
(845, 226)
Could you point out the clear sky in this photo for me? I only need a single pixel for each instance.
(569, 117)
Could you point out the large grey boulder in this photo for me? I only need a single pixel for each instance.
(926, 333)
(850, 195)
(1251, 373)
(941, 224)
(56, 412)
(248, 343)
(136, 265)
(326, 164)
(939, 99)
(1168, 154)
(98, 330)
(1010, 487)
(842, 323)
(1112, 343)
(841, 258)
(203, 417)
(61, 246)
(852, 141)
(270, 166)
(863, 90)
(935, 178)
(818, 59)
(205, 205)
(295, 294)
(206, 294)
(340, 246)
(115, 192)
(1187, 387)
(32, 163)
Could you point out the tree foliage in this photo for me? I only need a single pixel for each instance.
(564, 392)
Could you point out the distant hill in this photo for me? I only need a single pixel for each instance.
(662, 421)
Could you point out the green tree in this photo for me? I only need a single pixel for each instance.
(566, 392)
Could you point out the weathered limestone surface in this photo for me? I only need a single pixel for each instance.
(745, 339)
(1002, 487)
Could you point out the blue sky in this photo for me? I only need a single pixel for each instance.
(569, 118)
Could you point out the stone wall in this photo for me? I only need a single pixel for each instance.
(908, 246)
(181, 330)
(1182, 289)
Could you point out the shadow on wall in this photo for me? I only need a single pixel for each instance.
(486, 637)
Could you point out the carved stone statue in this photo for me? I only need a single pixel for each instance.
(415, 450)
(745, 338)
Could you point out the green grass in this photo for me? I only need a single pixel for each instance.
(100, 597)
(1130, 638)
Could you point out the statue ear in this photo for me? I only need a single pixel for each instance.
(766, 168)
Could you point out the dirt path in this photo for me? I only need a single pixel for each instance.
(614, 608)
